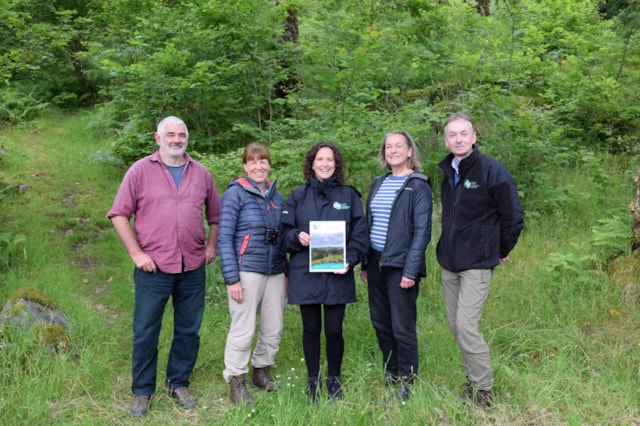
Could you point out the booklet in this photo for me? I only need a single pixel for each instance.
(328, 248)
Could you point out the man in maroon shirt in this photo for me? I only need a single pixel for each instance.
(166, 192)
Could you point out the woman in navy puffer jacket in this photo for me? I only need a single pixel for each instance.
(253, 267)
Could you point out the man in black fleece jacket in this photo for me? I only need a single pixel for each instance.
(482, 218)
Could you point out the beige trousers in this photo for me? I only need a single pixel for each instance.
(464, 295)
(263, 298)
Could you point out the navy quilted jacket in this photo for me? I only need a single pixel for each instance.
(245, 216)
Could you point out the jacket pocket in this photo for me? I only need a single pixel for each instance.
(243, 247)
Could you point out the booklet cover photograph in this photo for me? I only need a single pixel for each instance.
(327, 251)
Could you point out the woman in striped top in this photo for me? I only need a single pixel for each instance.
(399, 217)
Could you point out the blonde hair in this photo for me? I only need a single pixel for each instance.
(414, 160)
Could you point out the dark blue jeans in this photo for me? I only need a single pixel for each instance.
(187, 290)
(393, 316)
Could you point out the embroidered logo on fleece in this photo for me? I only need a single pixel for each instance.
(471, 184)
(341, 206)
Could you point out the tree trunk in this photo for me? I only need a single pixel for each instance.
(289, 35)
(483, 7)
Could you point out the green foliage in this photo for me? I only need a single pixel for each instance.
(105, 157)
(610, 237)
(220, 85)
(287, 160)
(18, 106)
(539, 78)
(42, 49)
(564, 346)
(11, 248)
(611, 8)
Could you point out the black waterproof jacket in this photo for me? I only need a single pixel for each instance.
(482, 217)
(409, 230)
(324, 200)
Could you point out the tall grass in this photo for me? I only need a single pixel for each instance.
(560, 356)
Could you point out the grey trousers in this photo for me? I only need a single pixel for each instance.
(464, 295)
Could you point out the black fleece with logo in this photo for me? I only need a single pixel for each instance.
(482, 217)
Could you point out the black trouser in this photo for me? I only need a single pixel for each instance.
(312, 326)
(393, 316)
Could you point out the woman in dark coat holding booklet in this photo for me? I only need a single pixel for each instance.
(324, 197)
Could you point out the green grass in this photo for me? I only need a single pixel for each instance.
(560, 356)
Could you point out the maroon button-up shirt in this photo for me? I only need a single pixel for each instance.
(169, 223)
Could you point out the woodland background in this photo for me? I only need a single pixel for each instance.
(552, 86)
(549, 83)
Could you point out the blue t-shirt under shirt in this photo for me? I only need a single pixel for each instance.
(176, 173)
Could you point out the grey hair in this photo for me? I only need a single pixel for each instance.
(459, 116)
(171, 120)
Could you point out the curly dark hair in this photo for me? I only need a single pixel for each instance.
(307, 168)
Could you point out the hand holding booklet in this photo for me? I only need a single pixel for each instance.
(327, 250)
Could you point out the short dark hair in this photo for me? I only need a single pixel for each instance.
(307, 168)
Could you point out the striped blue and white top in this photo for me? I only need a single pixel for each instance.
(381, 209)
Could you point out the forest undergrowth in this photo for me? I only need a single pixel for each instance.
(564, 339)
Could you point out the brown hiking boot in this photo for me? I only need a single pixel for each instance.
(238, 392)
(140, 405)
(262, 379)
(467, 393)
(183, 397)
(478, 397)
(482, 398)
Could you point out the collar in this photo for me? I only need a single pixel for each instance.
(455, 164)
(323, 187)
(156, 157)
